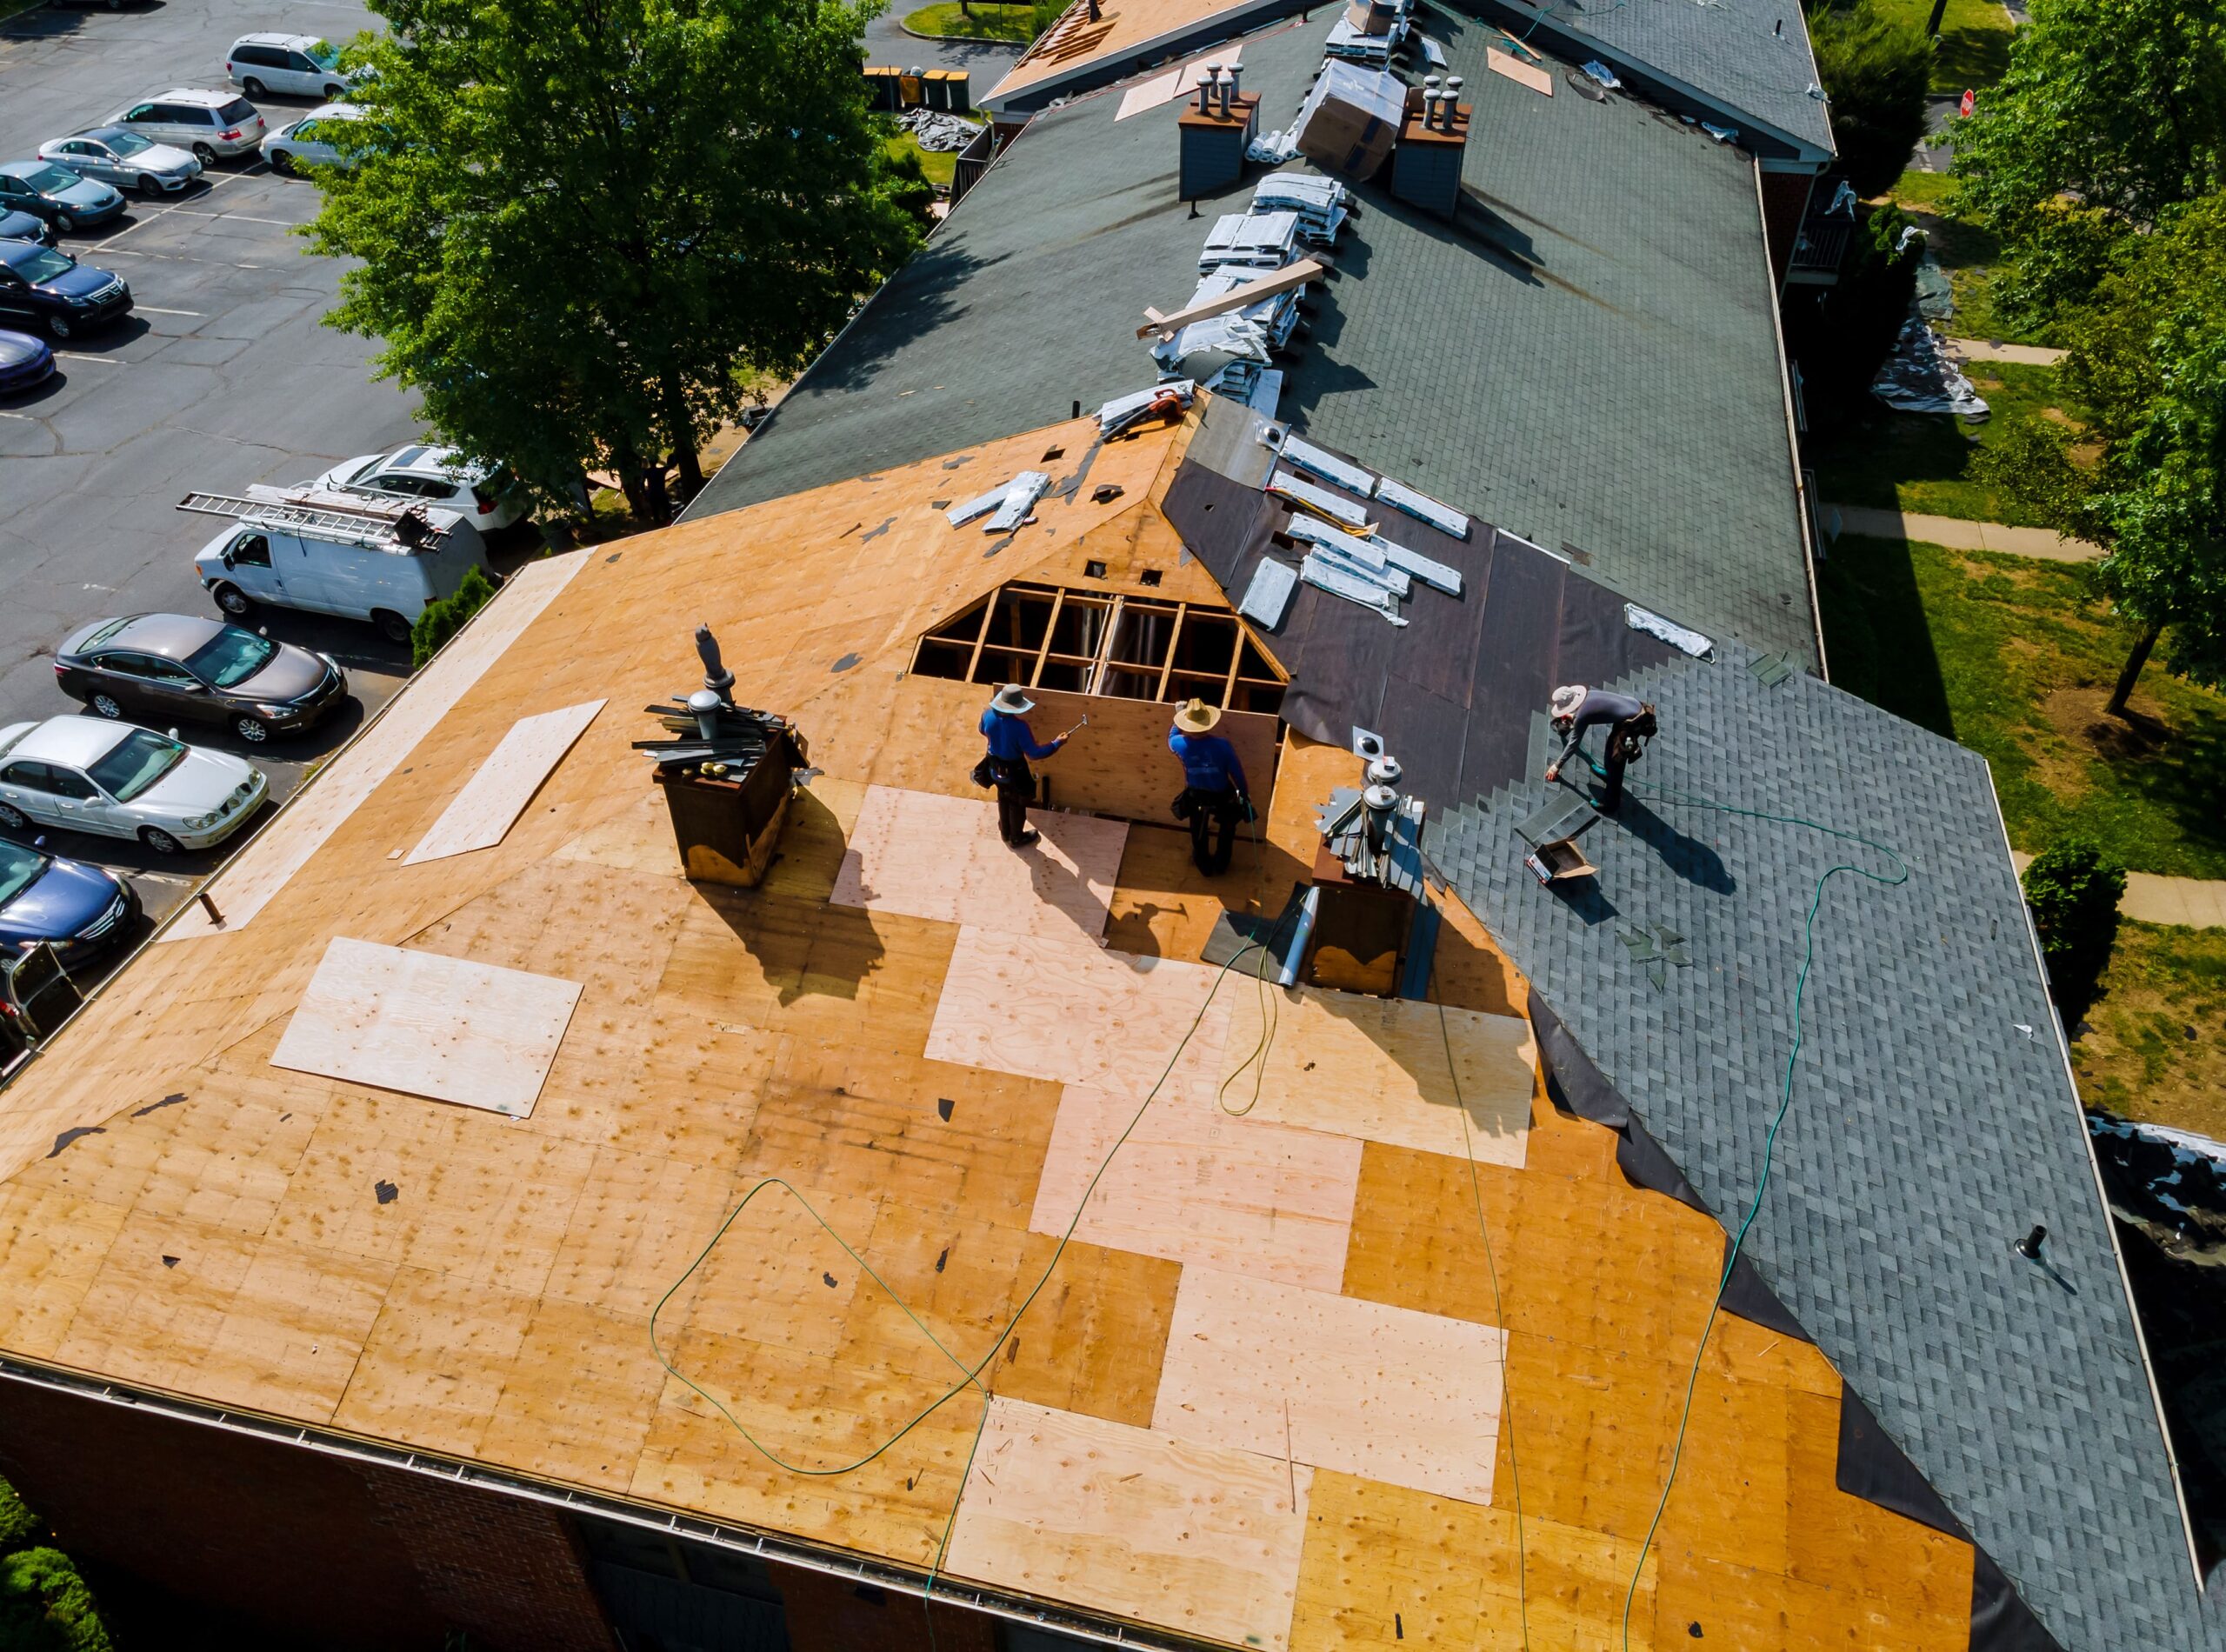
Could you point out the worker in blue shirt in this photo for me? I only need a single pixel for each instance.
(1215, 797)
(1012, 742)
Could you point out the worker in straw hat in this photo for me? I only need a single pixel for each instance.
(1215, 797)
(1629, 721)
(1012, 742)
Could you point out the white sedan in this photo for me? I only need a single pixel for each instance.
(123, 781)
(486, 496)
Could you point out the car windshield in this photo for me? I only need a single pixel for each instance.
(42, 264)
(19, 869)
(237, 110)
(231, 657)
(323, 56)
(138, 761)
(121, 143)
(49, 179)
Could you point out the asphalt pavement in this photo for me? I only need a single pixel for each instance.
(222, 377)
(888, 45)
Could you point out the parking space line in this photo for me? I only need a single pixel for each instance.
(156, 309)
(235, 217)
(163, 213)
(105, 361)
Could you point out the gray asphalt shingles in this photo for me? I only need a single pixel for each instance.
(1587, 353)
(1932, 1119)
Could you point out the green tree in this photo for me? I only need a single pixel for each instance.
(2112, 112)
(1874, 66)
(2146, 357)
(2074, 890)
(584, 226)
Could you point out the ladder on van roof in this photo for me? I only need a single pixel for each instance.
(370, 525)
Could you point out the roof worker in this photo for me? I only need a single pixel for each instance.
(1012, 742)
(1629, 722)
(1214, 797)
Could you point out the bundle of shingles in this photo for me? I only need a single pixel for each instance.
(1369, 31)
(1345, 556)
(1318, 204)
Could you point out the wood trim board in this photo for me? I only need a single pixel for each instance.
(428, 1024)
(490, 802)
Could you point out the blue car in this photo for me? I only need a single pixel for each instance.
(81, 909)
(24, 226)
(47, 287)
(24, 360)
(56, 194)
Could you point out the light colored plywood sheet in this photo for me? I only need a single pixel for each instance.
(1409, 1399)
(1376, 1069)
(1120, 764)
(1194, 1185)
(1060, 1007)
(941, 858)
(285, 846)
(1201, 1540)
(430, 1025)
(500, 787)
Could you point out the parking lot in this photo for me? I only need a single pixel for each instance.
(221, 378)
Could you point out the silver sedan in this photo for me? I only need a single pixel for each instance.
(119, 155)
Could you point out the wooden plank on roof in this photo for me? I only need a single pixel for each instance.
(1204, 1542)
(417, 1021)
(502, 786)
(1521, 73)
(1290, 276)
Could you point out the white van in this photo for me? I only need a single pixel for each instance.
(286, 549)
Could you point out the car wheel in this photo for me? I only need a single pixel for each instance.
(58, 326)
(334, 93)
(254, 730)
(13, 818)
(282, 164)
(160, 841)
(233, 601)
(204, 154)
(105, 705)
(149, 185)
(63, 222)
(253, 87)
(391, 625)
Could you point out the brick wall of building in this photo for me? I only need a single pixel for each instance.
(317, 1546)
(832, 1614)
(1785, 203)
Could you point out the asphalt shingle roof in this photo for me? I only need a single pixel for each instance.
(1586, 355)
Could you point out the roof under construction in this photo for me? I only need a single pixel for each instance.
(1586, 355)
(950, 1210)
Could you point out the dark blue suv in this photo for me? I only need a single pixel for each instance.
(81, 909)
(49, 287)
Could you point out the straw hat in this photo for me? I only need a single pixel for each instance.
(1197, 716)
(1569, 701)
(1012, 700)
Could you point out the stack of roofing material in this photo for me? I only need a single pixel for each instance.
(1364, 44)
(1278, 313)
(1224, 353)
(1319, 203)
(1351, 119)
(1250, 240)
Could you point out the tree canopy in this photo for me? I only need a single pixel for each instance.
(2112, 112)
(585, 226)
(2146, 357)
(1874, 66)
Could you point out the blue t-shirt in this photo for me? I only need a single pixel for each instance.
(1208, 762)
(1010, 739)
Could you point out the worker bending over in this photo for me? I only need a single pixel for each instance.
(1214, 794)
(1012, 742)
(1629, 722)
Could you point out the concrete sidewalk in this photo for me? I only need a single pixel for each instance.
(1981, 350)
(1958, 534)
(2200, 904)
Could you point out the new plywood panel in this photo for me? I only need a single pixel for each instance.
(941, 858)
(316, 812)
(1407, 1398)
(1061, 1007)
(1376, 1069)
(502, 786)
(447, 1028)
(1194, 1185)
(1200, 1540)
(1120, 764)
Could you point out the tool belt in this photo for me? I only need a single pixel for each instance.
(1228, 804)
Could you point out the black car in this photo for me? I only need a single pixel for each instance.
(45, 285)
(164, 667)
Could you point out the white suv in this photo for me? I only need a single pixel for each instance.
(298, 65)
(208, 123)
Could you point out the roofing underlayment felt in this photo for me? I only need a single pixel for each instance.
(1586, 355)
(1279, 1390)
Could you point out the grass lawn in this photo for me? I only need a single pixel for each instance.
(2006, 654)
(940, 165)
(2154, 1047)
(1972, 257)
(15, 8)
(1922, 462)
(981, 20)
(1974, 40)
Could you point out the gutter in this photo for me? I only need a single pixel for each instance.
(769, 1546)
(1793, 438)
(2103, 1202)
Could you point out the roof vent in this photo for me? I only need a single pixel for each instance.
(1426, 165)
(1213, 133)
